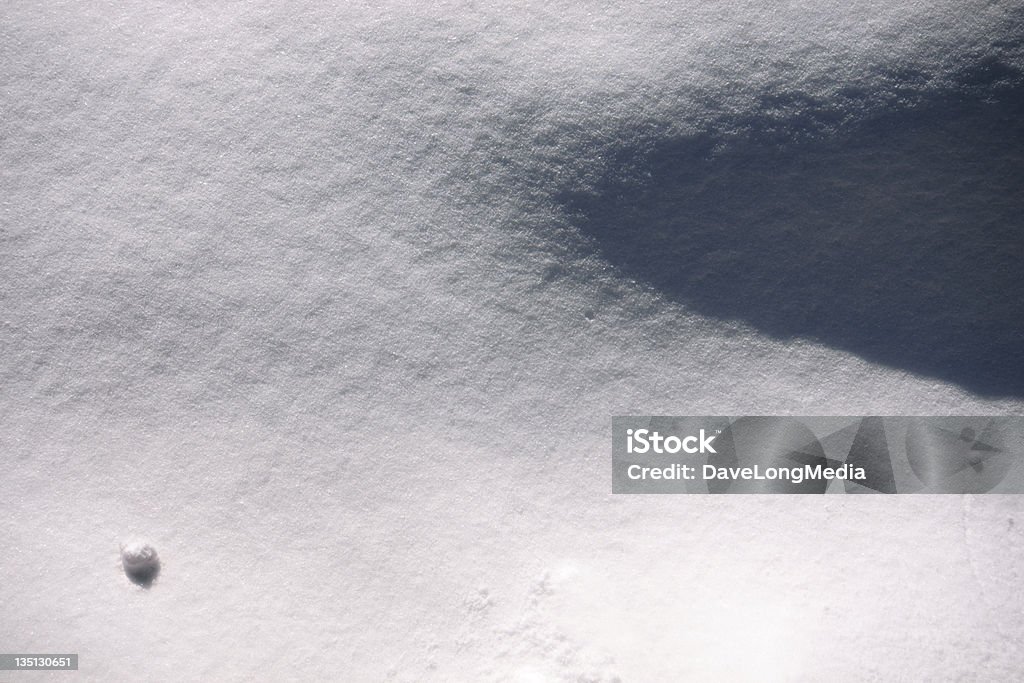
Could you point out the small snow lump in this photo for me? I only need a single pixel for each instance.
(140, 561)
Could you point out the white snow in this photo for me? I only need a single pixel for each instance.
(290, 292)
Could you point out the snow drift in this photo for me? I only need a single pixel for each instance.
(334, 305)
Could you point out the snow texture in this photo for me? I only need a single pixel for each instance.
(334, 305)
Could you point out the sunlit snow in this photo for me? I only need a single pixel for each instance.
(332, 304)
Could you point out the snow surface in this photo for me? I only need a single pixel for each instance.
(334, 306)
